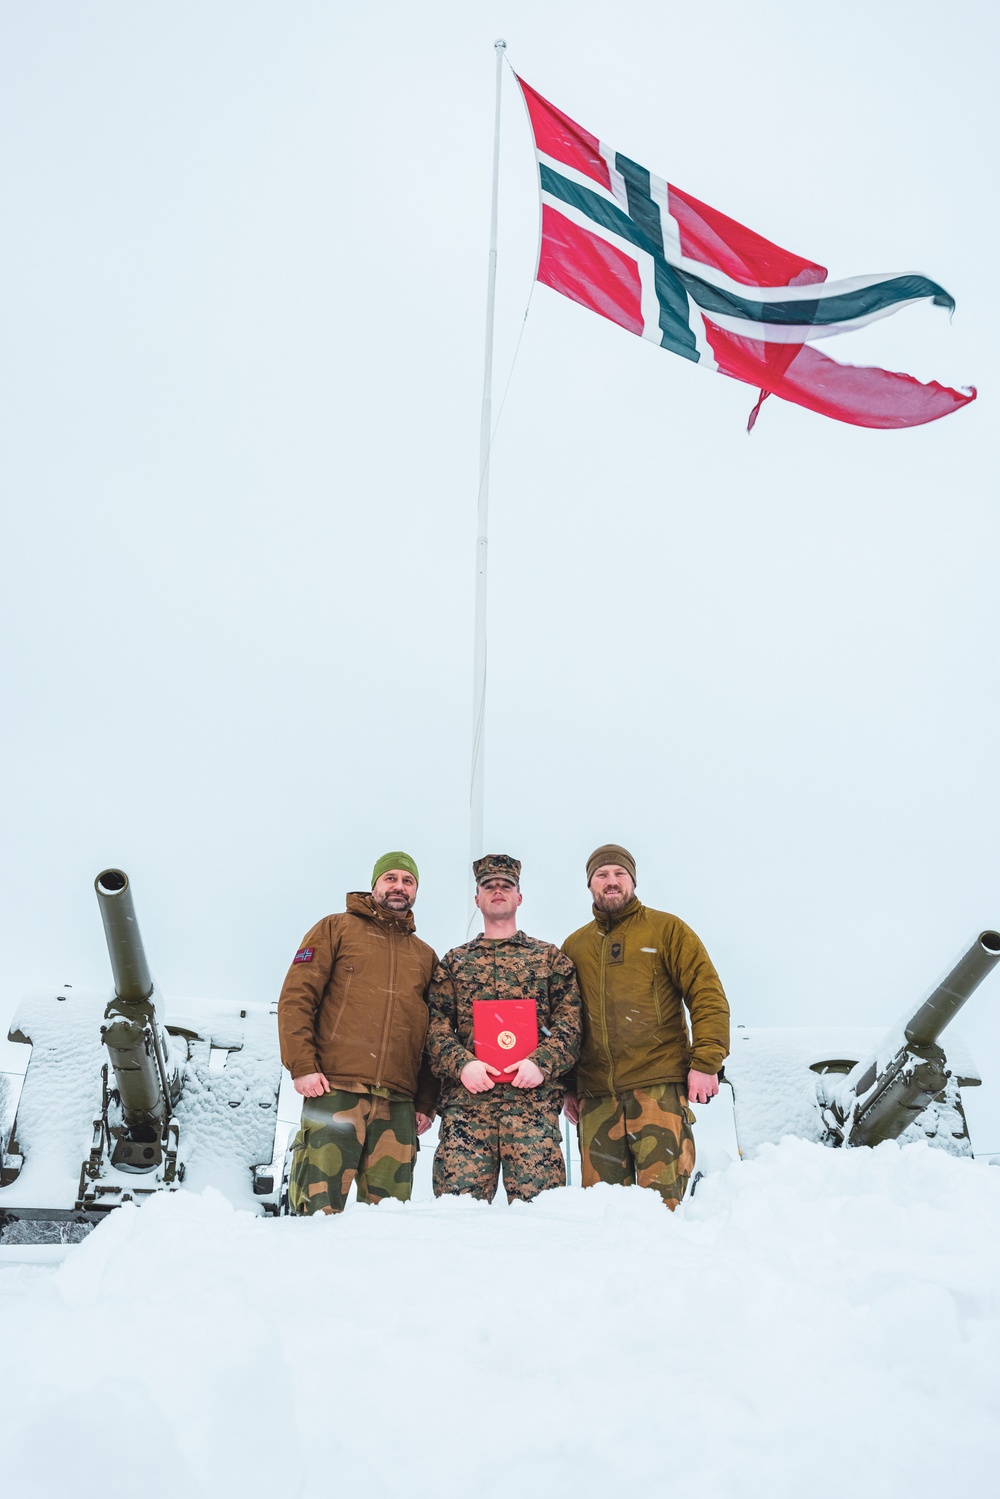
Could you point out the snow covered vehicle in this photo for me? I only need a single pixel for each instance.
(128, 1097)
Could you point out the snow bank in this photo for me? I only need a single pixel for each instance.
(812, 1321)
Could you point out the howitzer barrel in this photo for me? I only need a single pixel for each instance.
(128, 959)
(898, 1096)
(133, 1057)
(909, 1071)
(944, 1003)
(147, 1081)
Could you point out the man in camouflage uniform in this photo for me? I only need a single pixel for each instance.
(352, 1018)
(490, 1119)
(638, 969)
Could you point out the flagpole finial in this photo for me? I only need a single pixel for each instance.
(500, 44)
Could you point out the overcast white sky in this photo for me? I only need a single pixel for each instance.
(243, 276)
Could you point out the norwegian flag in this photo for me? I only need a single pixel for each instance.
(663, 265)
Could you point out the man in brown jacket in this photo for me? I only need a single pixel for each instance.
(352, 1018)
(638, 969)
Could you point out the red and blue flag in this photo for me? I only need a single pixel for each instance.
(669, 268)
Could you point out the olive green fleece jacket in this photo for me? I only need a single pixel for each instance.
(638, 969)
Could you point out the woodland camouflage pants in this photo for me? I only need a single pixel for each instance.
(642, 1137)
(476, 1141)
(352, 1136)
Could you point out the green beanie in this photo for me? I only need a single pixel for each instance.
(394, 861)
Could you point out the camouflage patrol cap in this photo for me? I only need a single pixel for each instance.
(497, 867)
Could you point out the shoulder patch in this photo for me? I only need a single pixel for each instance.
(304, 955)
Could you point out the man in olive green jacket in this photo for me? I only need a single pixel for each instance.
(352, 1018)
(638, 969)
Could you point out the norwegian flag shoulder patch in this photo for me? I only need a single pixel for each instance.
(304, 955)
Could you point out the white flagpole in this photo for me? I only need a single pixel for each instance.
(479, 648)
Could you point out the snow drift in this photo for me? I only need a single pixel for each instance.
(812, 1321)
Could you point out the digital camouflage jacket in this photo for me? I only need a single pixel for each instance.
(353, 1005)
(517, 967)
(638, 970)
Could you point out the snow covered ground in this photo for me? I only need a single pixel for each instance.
(812, 1322)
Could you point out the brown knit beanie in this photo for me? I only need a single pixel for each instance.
(610, 853)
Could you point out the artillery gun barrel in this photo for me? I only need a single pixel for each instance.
(889, 1095)
(147, 1082)
(125, 949)
(943, 1004)
(132, 1052)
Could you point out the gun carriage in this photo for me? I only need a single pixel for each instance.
(126, 1097)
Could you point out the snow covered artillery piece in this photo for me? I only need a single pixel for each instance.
(137, 1125)
(887, 1092)
(181, 1095)
(848, 1085)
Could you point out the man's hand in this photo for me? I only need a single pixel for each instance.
(476, 1076)
(702, 1086)
(424, 1122)
(526, 1073)
(571, 1108)
(311, 1085)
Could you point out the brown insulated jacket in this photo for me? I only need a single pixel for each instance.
(354, 1003)
(638, 969)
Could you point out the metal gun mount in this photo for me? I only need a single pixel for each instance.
(192, 1098)
(887, 1091)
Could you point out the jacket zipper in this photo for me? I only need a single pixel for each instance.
(390, 999)
(604, 1014)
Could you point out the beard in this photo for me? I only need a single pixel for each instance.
(611, 900)
(396, 900)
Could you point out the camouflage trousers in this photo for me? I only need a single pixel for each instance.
(642, 1137)
(475, 1142)
(347, 1137)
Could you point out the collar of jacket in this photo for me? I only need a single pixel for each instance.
(608, 919)
(362, 903)
(481, 937)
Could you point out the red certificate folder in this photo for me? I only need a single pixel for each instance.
(504, 1031)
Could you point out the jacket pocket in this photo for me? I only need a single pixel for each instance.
(657, 1006)
(339, 1002)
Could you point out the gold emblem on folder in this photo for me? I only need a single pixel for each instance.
(506, 1039)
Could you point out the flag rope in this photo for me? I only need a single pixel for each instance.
(510, 373)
